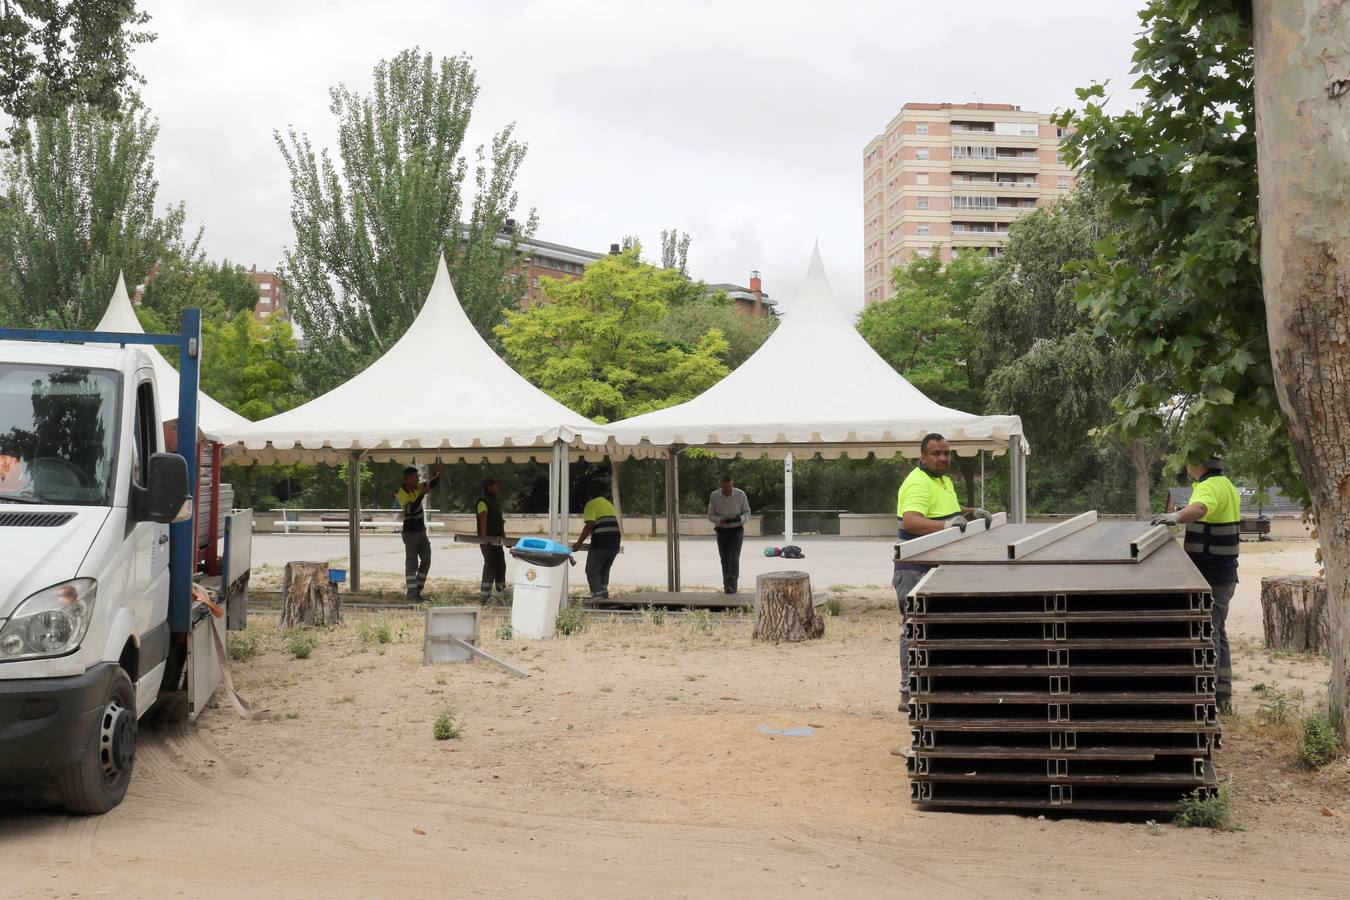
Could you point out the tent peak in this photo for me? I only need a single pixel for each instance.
(815, 299)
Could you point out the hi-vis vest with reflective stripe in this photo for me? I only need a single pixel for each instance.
(606, 518)
(1212, 543)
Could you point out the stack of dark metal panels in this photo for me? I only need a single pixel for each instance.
(1079, 676)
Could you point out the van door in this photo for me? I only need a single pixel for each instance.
(151, 550)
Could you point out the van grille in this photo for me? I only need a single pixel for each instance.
(34, 519)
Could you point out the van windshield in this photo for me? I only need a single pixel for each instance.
(57, 427)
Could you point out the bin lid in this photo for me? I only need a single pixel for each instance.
(543, 545)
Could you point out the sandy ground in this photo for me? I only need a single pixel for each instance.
(630, 764)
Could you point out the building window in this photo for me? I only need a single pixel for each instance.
(921, 178)
(923, 252)
(923, 228)
(1063, 182)
(534, 282)
(969, 151)
(1061, 133)
(923, 203)
(962, 202)
(921, 153)
(921, 128)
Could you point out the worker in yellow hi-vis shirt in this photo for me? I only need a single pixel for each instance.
(416, 548)
(1213, 519)
(601, 524)
(926, 504)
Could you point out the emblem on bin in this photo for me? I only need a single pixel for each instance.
(531, 574)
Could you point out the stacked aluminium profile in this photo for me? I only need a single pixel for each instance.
(1045, 683)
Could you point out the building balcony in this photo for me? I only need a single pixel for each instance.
(1010, 165)
(992, 185)
(1002, 213)
(978, 238)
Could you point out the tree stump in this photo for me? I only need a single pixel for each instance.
(1295, 613)
(308, 598)
(783, 610)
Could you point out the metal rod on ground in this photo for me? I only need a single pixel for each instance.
(354, 519)
(787, 499)
(487, 656)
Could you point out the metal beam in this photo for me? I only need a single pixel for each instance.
(1149, 541)
(787, 500)
(1041, 539)
(918, 545)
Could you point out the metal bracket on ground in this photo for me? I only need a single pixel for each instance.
(915, 546)
(1041, 539)
(476, 651)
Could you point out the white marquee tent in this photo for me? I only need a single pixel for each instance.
(815, 386)
(439, 393)
(121, 316)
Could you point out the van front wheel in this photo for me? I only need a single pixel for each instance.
(98, 782)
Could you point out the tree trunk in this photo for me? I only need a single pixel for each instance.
(783, 610)
(1138, 455)
(308, 597)
(1303, 161)
(1294, 612)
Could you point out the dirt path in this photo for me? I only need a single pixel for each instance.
(630, 765)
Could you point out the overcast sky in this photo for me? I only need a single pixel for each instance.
(741, 123)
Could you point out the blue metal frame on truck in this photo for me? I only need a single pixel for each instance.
(189, 342)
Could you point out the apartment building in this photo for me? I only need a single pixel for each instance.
(271, 296)
(950, 178)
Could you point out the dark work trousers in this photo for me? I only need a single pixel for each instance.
(599, 560)
(729, 542)
(1223, 688)
(494, 569)
(904, 581)
(416, 562)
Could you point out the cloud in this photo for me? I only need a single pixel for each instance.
(742, 124)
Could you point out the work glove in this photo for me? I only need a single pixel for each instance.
(1166, 519)
(732, 521)
(980, 512)
(957, 522)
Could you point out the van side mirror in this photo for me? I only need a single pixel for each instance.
(167, 496)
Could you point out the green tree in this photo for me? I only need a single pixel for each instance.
(1045, 359)
(79, 207)
(370, 224)
(597, 345)
(54, 55)
(249, 365)
(675, 250)
(923, 333)
(687, 321)
(1178, 176)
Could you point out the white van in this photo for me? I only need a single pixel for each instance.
(87, 496)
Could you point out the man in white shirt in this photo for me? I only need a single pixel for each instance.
(729, 510)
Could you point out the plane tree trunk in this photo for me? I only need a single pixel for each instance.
(1303, 144)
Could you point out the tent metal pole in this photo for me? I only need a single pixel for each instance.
(354, 518)
(1021, 481)
(553, 498)
(675, 511)
(787, 500)
(670, 532)
(564, 490)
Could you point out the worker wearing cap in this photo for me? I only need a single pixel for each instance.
(600, 524)
(416, 548)
(1213, 519)
(491, 524)
(926, 504)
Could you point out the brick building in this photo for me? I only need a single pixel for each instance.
(271, 296)
(752, 300)
(954, 176)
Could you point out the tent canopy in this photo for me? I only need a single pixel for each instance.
(121, 316)
(815, 386)
(440, 391)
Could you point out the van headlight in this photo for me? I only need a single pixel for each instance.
(51, 622)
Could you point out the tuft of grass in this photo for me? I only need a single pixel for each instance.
(654, 615)
(445, 727)
(701, 620)
(1279, 708)
(372, 633)
(1201, 810)
(242, 646)
(301, 645)
(1319, 744)
(345, 698)
(504, 632)
(833, 607)
(571, 620)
